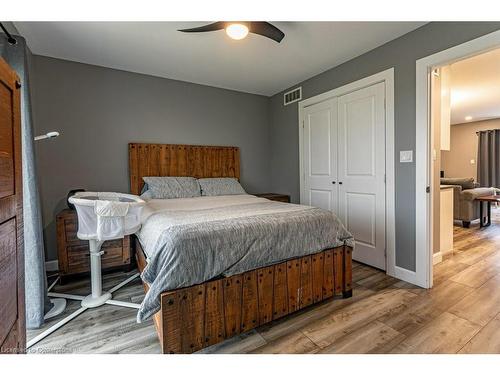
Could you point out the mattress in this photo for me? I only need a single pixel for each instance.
(189, 241)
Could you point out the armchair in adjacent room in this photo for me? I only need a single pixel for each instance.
(465, 191)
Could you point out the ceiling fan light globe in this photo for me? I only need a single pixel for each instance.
(237, 31)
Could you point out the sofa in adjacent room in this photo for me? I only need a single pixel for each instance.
(465, 191)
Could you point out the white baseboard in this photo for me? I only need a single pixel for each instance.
(52, 265)
(437, 258)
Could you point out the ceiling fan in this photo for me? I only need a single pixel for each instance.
(239, 30)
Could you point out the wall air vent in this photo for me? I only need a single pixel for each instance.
(292, 96)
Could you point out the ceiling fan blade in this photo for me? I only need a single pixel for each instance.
(268, 30)
(210, 27)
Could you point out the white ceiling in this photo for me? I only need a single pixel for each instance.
(475, 88)
(255, 64)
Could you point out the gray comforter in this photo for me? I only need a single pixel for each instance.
(187, 245)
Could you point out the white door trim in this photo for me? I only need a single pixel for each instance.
(386, 76)
(423, 223)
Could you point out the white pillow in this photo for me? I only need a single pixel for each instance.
(172, 187)
(220, 186)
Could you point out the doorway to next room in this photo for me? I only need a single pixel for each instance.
(465, 169)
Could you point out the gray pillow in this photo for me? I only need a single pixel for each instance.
(172, 187)
(464, 182)
(220, 186)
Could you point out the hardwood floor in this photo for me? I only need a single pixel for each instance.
(461, 314)
(107, 329)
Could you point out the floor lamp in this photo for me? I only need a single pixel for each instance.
(59, 304)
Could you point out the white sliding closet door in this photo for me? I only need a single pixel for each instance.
(361, 167)
(320, 155)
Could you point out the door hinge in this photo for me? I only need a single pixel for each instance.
(18, 84)
(428, 189)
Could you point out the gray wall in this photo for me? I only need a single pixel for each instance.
(400, 54)
(99, 111)
(10, 28)
(463, 148)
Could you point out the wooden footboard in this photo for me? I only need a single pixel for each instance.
(195, 317)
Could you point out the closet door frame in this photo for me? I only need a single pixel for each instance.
(386, 76)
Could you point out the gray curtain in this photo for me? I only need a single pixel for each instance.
(37, 303)
(488, 158)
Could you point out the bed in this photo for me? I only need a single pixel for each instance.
(193, 310)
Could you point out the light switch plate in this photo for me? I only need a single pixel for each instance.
(406, 156)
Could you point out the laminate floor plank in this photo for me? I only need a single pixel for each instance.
(294, 343)
(362, 272)
(412, 316)
(326, 331)
(377, 281)
(240, 344)
(447, 269)
(482, 305)
(106, 329)
(474, 255)
(477, 274)
(375, 337)
(445, 335)
(487, 339)
(298, 320)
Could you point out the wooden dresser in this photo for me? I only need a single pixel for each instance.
(275, 197)
(73, 253)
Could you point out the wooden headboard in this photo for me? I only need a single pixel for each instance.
(148, 159)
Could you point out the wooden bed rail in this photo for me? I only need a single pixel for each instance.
(195, 317)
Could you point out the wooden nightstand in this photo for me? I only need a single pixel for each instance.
(74, 255)
(275, 197)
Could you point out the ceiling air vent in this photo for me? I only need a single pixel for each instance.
(292, 96)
